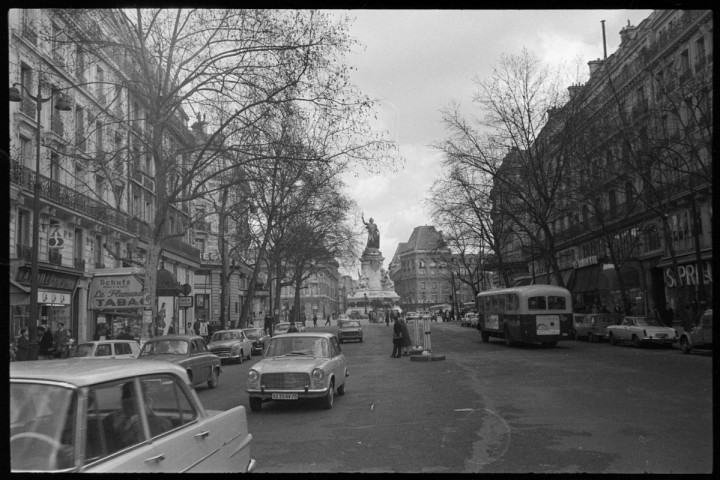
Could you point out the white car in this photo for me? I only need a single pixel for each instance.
(103, 416)
(231, 345)
(469, 320)
(121, 349)
(640, 331)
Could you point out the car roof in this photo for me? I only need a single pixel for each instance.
(80, 373)
(230, 330)
(307, 334)
(174, 337)
(107, 341)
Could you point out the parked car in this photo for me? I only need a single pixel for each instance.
(259, 339)
(298, 365)
(188, 351)
(230, 345)
(349, 330)
(641, 330)
(122, 349)
(593, 327)
(69, 416)
(469, 320)
(700, 336)
(342, 316)
(282, 327)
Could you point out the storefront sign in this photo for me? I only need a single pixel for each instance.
(54, 298)
(47, 279)
(688, 275)
(214, 256)
(585, 262)
(115, 292)
(185, 302)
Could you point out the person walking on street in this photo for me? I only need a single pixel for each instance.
(23, 346)
(406, 342)
(314, 319)
(267, 324)
(196, 327)
(397, 340)
(60, 341)
(387, 319)
(46, 345)
(327, 320)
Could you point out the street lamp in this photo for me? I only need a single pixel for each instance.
(365, 295)
(63, 105)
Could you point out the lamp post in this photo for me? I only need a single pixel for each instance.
(62, 105)
(365, 295)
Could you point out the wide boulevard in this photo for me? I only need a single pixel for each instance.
(489, 408)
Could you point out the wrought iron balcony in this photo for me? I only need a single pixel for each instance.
(24, 252)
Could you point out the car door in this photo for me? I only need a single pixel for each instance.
(122, 351)
(185, 440)
(337, 361)
(197, 363)
(103, 350)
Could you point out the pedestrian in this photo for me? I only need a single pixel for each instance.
(406, 342)
(71, 345)
(45, 352)
(686, 318)
(23, 345)
(314, 319)
(327, 320)
(303, 318)
(196, 327)
(397, 340)
(125, 334)
(387, 319)
(60, 341)
(267, 324)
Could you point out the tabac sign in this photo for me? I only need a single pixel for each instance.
(115, 292)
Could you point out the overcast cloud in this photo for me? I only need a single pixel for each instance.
(418, 61)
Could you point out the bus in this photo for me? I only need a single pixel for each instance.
(526, 314)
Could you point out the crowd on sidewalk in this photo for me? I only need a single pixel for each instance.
(58, 344)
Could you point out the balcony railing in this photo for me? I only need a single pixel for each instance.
(79, 264)
(24, 252)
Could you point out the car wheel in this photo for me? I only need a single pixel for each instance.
(484, 336)
(612, 339)
(214, 376)
(685, 345)
(255, 404)
(636, 341)
(329, 399)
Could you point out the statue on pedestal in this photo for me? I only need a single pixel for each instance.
(373, 240)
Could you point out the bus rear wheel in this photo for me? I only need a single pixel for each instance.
(484, 336)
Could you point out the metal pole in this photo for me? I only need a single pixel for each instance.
(34, 268)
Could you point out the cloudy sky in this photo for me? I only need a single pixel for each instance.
(418, 61)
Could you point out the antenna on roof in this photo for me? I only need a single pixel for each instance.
(604, 42)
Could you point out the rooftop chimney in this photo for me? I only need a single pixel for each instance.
(627, 33)
(594, 66)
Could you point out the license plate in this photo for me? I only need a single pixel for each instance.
(284, 396)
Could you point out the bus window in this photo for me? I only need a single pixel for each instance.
(556, 303)
(511, 302)
(536, 303)
(501, 302)
(494, 303)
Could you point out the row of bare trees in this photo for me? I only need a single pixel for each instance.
(546, 168)
(279, 122)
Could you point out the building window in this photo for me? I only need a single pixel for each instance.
(26, 152)
(55, 167)
(99, 140)
(23, 228)
(99, 252)
(78, 245)
(80, 140)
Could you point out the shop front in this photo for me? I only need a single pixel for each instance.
(585, 283)
(685, 287)
(116, 300)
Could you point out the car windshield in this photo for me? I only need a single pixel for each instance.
(253, 334)
(292, 345)
(220, 336)
(42, 421)
(350, 324)
(282, 326)
(158, 347)
(83, 350)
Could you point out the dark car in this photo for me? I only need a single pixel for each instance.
(259, 339)
(700, 336)
(188, 351)
(349, 330)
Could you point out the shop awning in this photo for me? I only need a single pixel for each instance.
(609, 279)
(586, 279)
(19, 295)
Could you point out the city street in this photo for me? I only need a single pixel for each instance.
(488, 408)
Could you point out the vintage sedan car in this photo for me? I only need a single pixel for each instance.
(298, 365)
(342, 316)
(259, 339)
(230, 345)
(112, 416)
(469, 320)
(349, 330)
(700, 336)
(122, 349)
(593, 327)
(640, 331)
(188, 351)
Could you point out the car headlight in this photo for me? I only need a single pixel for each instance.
(318, 374)
(253, 376)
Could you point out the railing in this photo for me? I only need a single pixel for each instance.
(79, 264)
(54, 257)
(24, 252)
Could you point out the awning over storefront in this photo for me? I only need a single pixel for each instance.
(166, 285)
(19, 295)
(587, 278)
(609, 279)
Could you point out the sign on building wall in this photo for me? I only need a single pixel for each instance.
(115, 292)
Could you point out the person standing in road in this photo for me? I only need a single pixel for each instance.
(387, 319)
(397, 340)
(267, 324)
(61, 340)
(196, 327)
(406, 342)
(23, 346)
(314, 319)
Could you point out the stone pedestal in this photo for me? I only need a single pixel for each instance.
(371, 268)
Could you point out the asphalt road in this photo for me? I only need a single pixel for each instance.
(488, 408)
